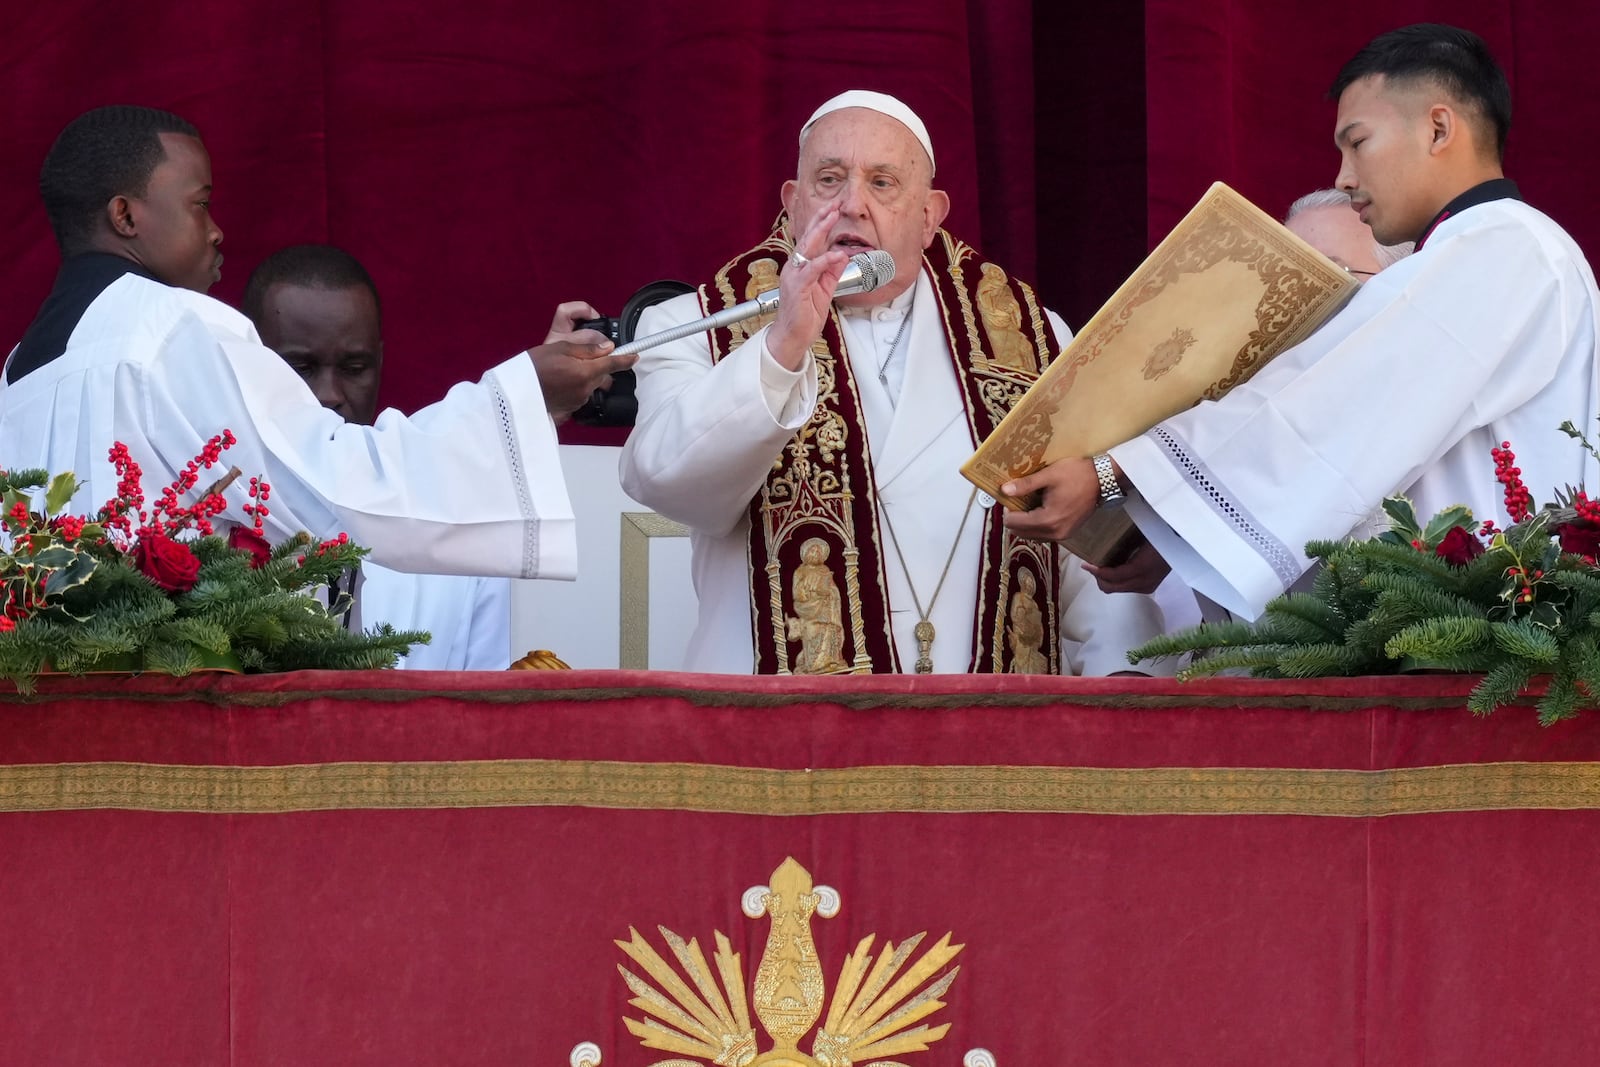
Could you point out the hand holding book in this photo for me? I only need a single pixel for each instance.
(1226, 291)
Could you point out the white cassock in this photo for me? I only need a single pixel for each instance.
(468, 619)
(707, 436)
(470, 485)
(1486, 334)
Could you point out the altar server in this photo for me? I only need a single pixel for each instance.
(317, 307)
(1487, 333)
(128, 348)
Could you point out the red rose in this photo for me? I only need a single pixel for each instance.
(170, 565)
(1579, 538)
(245, 539)
(1459, 547)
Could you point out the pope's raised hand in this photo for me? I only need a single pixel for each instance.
(805, 290)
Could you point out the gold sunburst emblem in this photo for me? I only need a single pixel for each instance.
(877, 1008)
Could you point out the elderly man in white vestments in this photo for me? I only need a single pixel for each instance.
(128, 348)
(832, 436)
(1486, 333)
(317, 307)
(1326, 220)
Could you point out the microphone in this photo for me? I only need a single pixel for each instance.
(865, 272)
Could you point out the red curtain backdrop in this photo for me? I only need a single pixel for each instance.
(1237, 92)
(488, 158)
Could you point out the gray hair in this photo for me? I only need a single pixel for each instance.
(1387, 255)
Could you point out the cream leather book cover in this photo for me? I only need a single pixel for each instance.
(1229, 288)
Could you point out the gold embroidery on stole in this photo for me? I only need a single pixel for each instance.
(815, 521)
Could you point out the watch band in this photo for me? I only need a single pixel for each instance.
(1111, 494)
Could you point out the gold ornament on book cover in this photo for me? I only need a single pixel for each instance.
(1225, 292)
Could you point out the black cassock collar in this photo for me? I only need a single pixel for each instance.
(80, 281)
(1482, 193)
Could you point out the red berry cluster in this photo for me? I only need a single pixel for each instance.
(1518, 499)
(1588, 510)
(168, 515)
(260, 492)
(130, 494)
(1527, 578)
(70, 527)
(326, 546)
(199, 514)
(20, 603)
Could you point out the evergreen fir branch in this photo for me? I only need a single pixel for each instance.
(1324, 550)
(1582, 655)
(1561, 699)
(1526, 641)
(1206, 635)
(1403, 558)
(1500, 686)
(1584, 581)
(1319, 661)
(373, 649)
(1366, 638)
(1451, 639)
(1422, 598)
(23, 481)
(177, 658)
(202, 634)
(1303, 618)
(1260, 660)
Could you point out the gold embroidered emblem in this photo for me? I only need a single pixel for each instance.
(1026, 632)
(818, 622)
(763, 277)
(1168, 353)
(1002, 321)
(876, 1010)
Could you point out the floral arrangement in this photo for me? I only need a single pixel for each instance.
(155, 588)
(1451, 594)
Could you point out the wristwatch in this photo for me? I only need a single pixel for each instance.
(1111, 495)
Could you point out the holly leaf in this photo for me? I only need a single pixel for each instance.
(73, 574)
(1402, 516)
(59, 495)
(53, 557)
(1545, 614)
(12, 498)
(1446, 520)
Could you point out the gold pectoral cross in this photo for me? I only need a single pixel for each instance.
(924, 635)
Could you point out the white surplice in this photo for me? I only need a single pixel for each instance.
(707, 436)
(469, 619)
(470, 485)
(1486, 334)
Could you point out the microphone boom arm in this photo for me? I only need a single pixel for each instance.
(865, 272)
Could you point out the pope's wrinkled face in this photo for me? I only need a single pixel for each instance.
(877, 172)
(175, 237)
(1339, 234)
(1385, 138)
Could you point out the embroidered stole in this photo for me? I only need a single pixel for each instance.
(819, 591)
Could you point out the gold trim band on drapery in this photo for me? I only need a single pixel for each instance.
(767, 791)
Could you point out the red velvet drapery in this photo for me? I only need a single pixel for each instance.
(486, 158)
